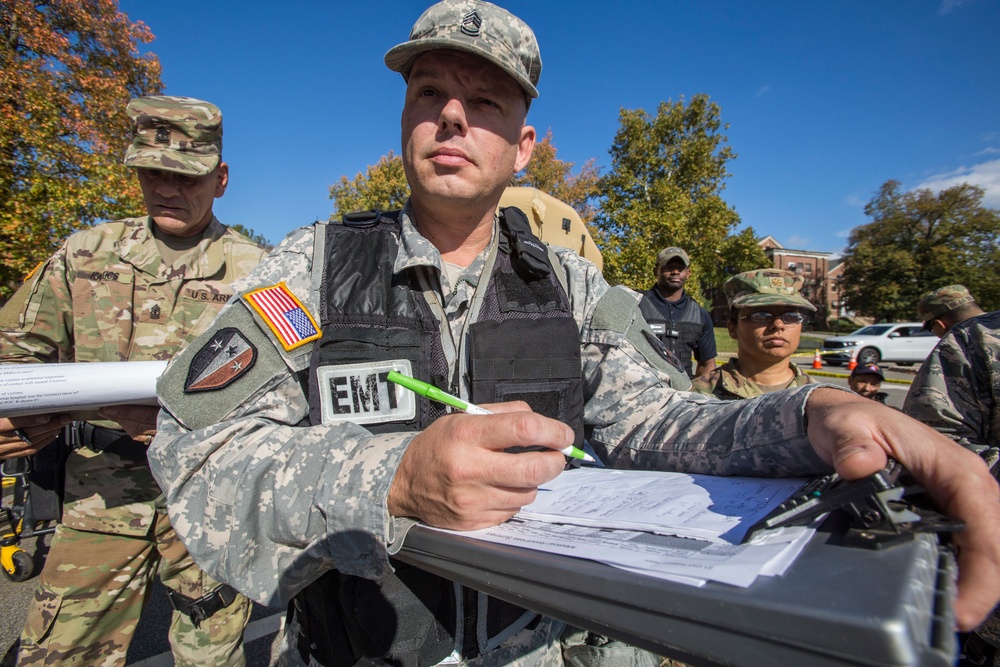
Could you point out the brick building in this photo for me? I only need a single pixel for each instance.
(817, 286)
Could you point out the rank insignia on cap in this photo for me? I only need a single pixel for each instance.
(163, 134)
(284, 315)
(471, 23)
(222, 360)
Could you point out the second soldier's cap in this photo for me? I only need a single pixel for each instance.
(870, 369)
(936, 303)
(476, 27)
(179, 134)
(765, 287)
(668, 254)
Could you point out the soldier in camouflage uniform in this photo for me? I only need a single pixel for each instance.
(765, 319)
(129, 290)
(293, 469)
(943, 308)
(957, 391)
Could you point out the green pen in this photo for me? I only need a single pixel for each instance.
(435, 394)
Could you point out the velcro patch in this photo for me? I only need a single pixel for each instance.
(360, 393)
(284, 314)
(219, 362)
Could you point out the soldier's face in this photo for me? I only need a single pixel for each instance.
(463, 131)
(865, 384)
(765, 342)
(181, 205)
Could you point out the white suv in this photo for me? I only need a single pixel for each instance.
(905, 343)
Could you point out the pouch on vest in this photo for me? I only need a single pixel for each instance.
(405, 619)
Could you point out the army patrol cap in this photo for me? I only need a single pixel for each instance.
(668, 254)
(476, 27)
(940, 301)
(765, 287)
(179, 134)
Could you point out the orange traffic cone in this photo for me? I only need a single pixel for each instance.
(817, 362)
(853, 363)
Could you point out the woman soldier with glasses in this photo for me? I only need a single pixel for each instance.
(766, 313)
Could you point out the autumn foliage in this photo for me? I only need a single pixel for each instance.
(67, 71)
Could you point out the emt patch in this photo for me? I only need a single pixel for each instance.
(284, 314)
(360, 393)
(220, 361)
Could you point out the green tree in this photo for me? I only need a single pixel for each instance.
(382, 187)
(554, 176)
(252, 235)
(67, 71)
(664, 189)
(919, 241)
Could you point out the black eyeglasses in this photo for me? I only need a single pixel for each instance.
(764, 317)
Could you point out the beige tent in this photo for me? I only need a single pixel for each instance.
(554, 221)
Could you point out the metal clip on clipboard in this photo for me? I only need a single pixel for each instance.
(882, 510)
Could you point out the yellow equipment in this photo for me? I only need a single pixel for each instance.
(554, 222)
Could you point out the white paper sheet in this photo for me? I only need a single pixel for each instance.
(31, 389)
(685, 528)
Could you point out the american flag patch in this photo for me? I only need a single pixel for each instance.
(284, 314)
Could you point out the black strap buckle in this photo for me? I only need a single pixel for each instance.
(204, 607)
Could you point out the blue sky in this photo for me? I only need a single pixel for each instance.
(825, 101)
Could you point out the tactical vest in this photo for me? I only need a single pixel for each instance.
(679, 336)
(524, 345)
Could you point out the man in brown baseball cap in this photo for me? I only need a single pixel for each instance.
(943, 308)
(681, 324)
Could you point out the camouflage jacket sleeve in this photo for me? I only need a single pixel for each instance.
(262, 500)
(956, 389)
(635, 419)
(36, 323)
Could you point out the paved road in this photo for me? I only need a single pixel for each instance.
(150, 648)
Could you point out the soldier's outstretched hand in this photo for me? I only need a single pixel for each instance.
(856, 436)
(456, 474)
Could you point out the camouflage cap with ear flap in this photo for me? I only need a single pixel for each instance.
(936, 303)
(765, 287)
(476, 27)
(179, 134)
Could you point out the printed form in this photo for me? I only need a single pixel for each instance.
(33, 389)
(676, 526)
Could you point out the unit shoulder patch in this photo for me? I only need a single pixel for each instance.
(223, 359)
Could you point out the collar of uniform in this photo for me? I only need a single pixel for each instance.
(732, 378)
(416, 250)
(733, 381)
(138, 248)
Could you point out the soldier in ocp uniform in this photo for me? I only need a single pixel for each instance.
(766, 313)
(294, 468)
(130, 290)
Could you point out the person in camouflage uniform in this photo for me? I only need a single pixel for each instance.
(943, 308)
(765, 320)
(957, 392)
(278, 487)
(130, 290)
